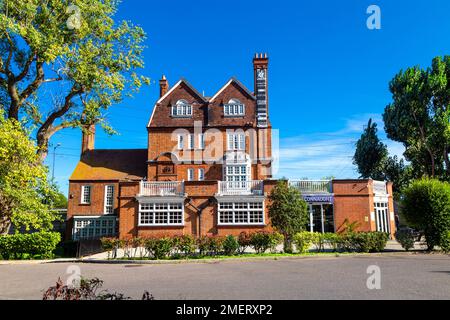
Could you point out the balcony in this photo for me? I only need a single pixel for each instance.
(237, 188)
(161, 188)
(312, 186)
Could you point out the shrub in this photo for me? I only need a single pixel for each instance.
(302, 241)
(332, 240)
(318, 240)
(365, 241)
(215, 244)
(185, 244)
(406, 238)
(244, 240)
(260, 241)
(29, 245)
(203, 245)
(445, 243)
(159, 248)
(230, 245)
(276, 239)
(426, 207)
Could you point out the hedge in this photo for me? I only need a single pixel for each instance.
(349, 242)
(30, 245)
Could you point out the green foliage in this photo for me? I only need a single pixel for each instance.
(418, 117)
(426, 207)
(406, 238)
(344, 242)
(370, 154)
(159, 248)
(302, 241)
(261, 241)
(230, 245)
(25, 193)
(287, 212)
(445, 242)
(29, 245)
(185, 244)
(77, 51)
(244, 241)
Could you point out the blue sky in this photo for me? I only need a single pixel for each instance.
(328, 72)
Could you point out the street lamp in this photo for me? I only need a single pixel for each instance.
(54, 154)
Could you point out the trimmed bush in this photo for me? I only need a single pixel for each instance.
(159, 248)
(230, 245)
(29, 245)
(303, 241)
(426, 207)
(276, 239)
(406, 238)
(260, 241)
(185, 244)
(244, 240)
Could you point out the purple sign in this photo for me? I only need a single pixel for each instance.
(318, 198)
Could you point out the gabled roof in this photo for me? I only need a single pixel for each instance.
(236, 81)
(182, 80)
(114, 164)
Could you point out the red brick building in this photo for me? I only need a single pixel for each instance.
(207, 170)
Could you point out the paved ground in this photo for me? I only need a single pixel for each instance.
(403, 276)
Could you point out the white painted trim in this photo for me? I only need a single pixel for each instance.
(168, 218)
(104, 197)
(82, 194)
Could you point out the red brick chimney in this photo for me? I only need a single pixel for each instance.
(163, 86)
(88, 138)
(260, 65)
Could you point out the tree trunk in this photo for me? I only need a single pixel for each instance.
(287, 245)
(5, 225)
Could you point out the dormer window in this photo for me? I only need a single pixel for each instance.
(182, 109)
(234, 108)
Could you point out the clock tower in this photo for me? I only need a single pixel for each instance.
(260, 64)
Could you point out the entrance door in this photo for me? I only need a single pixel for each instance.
(321, 217)
(382, 217)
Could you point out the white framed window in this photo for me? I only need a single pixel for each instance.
(191, 141)
(164, 213)
(109, 199)
(201, 141)
(241, 213)
(236, 141)
(190, 174)
(180, 142)
(182, 109)
(85, 194)
(201, 174)
(93, 227)
(233, 108)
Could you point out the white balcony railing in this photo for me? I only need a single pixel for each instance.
(379, 187)
(161, 188)
(235, 188)
(312, 186)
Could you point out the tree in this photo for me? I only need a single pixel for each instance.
(398, 172)
(370, 153)
(426, 207)
(287, 212)
(25, 194)
(419, 117)
(63, 64)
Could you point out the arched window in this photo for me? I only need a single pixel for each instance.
(182, 109)
(233, 108)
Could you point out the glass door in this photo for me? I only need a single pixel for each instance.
(382, 217)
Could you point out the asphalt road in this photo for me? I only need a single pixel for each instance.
(402, 277)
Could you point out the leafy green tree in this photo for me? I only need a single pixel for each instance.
(25, 194)
(419, 115)
(370, 153)
(64, 63)
(398, 172)
(59, 200)
(288, 212)
(426, 207)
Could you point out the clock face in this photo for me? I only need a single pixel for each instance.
(261, 74)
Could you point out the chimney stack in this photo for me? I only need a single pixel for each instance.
(88, 138)
(163, 86)
(260, 66)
